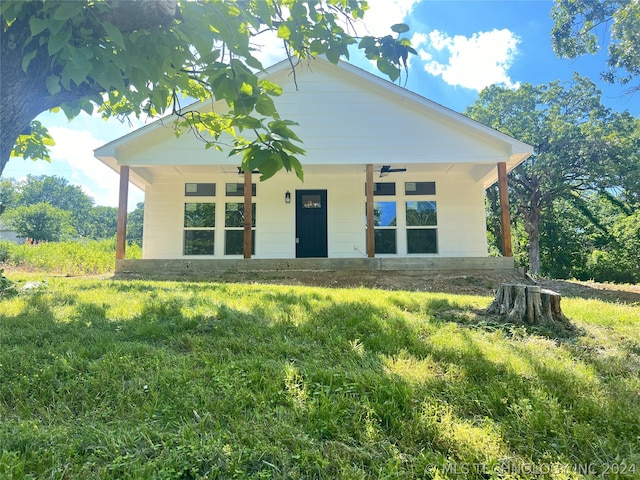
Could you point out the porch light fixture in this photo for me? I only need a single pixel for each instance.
(386, 170)
(287, 197)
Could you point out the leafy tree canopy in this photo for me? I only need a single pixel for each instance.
(140, 57)
(135, 224)
(102, 222)
(580, 25)
(581, 146)
(8, 194)
(57, 192)
(87, 220)
(41, 222)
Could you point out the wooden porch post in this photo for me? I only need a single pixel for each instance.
(121, 229)
(505, 218)
(371, 239)
(248, 214)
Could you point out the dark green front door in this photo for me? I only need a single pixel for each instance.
(311, 223)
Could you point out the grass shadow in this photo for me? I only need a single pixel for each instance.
(292, 383)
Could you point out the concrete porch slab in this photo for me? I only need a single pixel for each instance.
(195, 269)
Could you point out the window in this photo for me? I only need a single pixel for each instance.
(198, 242)
(234, 228)
(420, 188)
(384, 222)
(237, 189)
(199, 228)
(384, 219)
(311, 201)
(200, 189)
(422, 220)
(383, 188)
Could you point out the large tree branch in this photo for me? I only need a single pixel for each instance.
(25, 94)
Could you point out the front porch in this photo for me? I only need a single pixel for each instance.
(212, 269)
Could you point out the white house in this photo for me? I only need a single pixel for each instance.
(421, 167)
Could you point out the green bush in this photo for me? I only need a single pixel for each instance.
(7, 287)
(603, 266)
(5, 251)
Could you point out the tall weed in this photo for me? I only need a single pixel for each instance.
(83, 257)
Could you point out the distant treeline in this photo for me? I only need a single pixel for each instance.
(49, 209)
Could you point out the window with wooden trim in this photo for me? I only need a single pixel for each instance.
(199, 189)
(420, 188)
(385, 219)
(199, 228)
(383, 189)
(422, 222)
(385, 222)
(237, 189)
(234, 228)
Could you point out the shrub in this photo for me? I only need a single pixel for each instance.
(5, 251)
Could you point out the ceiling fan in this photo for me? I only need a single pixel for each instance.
(386, 170)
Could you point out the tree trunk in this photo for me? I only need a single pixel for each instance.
(530, 305)
(532, 227)
(493, 219)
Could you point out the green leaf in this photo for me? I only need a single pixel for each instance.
(400, 28)
(254, 63)
(67, 10)
(284, 32)
(367, 42)
(333, 55)
(386, 67)
(265, 106)
(271, 166)
(292, 148)
(37, 25)
(271, 88)
(297, 167)
(78, 66)
(53, 84)
(254, 157)
(58, 40)
(245, 121)
(281, 128)
(26, 60)
(87, 106)
(114, 34)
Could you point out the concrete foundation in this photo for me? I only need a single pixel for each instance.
(207, 269)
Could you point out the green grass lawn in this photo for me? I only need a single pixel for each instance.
(137, 379)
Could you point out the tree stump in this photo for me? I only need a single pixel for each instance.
(528, 304)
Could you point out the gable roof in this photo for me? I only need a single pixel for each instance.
(378, 116)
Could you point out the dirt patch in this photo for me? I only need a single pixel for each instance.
(465, 283)
(609, 292)
(459, 283)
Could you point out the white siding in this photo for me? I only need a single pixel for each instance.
(346, 122)
(461, 218)
(340, 122)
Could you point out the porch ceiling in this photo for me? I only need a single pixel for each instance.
(149, 174)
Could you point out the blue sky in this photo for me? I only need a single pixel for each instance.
(463, 47)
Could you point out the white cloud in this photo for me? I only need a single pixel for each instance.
(472, 62)
(75, 148)
(384, 13)
(270, 48)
